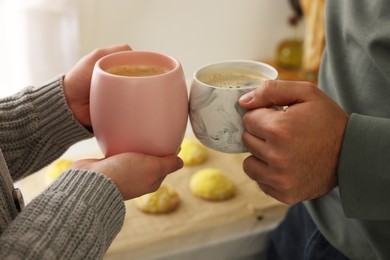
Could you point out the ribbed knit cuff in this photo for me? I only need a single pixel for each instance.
(364, 167)
(55, 117)
(98, 193)
(37, 127)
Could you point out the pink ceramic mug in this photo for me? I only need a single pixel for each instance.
(139, 113)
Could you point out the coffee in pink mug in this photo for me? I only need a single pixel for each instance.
(138, 103)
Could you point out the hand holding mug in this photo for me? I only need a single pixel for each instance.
(294, 152)
(215, 113)
(134, 174)
(77, 82)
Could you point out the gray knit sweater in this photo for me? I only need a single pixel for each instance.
(79, 215)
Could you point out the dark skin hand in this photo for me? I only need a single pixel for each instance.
(294, 152)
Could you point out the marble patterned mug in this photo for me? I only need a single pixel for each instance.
(138, 103)
(214, 111)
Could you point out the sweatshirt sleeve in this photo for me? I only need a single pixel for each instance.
(77, 217)
(364, 168)
(37, 126)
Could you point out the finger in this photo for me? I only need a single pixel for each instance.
(268, 189)
(255, 168)
(266, 124)
(255, 145)
(99, 53)
(160, 168)
(170, 164)
(255, 122)
(156, 185)
(83, 163)
(276, 93)
(259, 171)
(277, 194)
(117, 48)
(114, 48)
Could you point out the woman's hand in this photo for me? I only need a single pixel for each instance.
(294, 151)
(77, 82)
(134, 174)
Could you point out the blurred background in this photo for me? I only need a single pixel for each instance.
(42, 38)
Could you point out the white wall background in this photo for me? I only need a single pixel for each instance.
(42, 38)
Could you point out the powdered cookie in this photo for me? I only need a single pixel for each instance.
(56, 168)
(192, 152)
(212, 184)
(164, 200)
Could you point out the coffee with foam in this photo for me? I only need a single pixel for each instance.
(232, 79)
(137, 71)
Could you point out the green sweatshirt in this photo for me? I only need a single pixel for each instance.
(80, 214)
(355, 71)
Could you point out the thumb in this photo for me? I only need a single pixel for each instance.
(170, 163)
(276, 93)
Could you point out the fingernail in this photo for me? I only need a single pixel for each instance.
(180, 163)
(247, 97)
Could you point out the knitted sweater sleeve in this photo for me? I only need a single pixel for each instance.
(37, 127)
(77, 217)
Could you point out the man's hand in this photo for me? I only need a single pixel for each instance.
(294, 151)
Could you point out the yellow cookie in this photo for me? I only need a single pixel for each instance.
(192, 152)
(56, 168)
(212, 184)
(164, 200)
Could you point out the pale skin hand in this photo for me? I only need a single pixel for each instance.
(77, 82)
(294, 152)
(133, 174)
